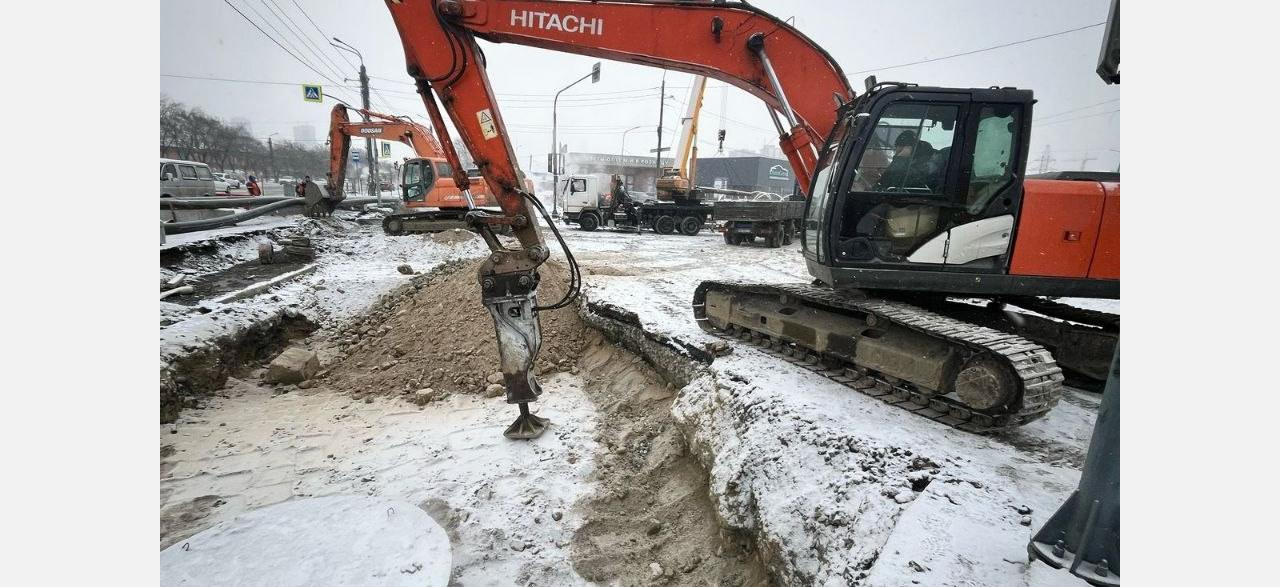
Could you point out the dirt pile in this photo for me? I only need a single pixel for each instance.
(438, 335)
(650, 521)
(451, 237)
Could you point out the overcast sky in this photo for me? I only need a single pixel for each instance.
(1076, 114)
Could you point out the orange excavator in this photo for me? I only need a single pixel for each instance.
(922, 232)
(432, 199)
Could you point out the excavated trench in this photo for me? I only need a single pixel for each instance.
(650, 519)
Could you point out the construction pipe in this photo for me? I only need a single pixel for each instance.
(206, 224)
(177, 291)
(280, 204)
(204, 203)
(208, 203)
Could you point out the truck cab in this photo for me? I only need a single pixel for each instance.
(588, 199)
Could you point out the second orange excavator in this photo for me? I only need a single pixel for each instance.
(432, 194)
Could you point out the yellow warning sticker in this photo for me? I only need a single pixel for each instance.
(487, 126)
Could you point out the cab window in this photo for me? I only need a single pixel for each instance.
(994, 145)
(188, 172)
(909, 151)
(419, 178)
(578, 185)
(412, 174)
(168, 168)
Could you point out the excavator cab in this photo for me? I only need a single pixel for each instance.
(417, 177)
(927, 180)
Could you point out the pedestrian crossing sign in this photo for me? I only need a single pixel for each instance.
(312, 93)
(386, 149)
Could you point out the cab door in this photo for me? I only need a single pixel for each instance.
(934, 183)
(170, 183)
(899, 190)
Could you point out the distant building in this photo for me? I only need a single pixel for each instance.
(639, 173)
(748, 174)
(304, 133)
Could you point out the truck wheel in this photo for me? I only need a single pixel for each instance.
(774, 240)
(787, 233)
(588, 222)
(690, 225)
(664, 225)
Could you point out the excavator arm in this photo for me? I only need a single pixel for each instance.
(734, 43)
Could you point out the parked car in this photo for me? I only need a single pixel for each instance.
(232, 181)
(186, 179)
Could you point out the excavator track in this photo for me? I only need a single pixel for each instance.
(428, 221)
(1033, 376)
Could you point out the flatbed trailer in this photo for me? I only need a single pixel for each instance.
(775, 222)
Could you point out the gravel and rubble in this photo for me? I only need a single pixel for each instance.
(204, 342)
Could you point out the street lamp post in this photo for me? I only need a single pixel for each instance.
(271, 152)
(623, 150)
(555, 143)
(364, 99)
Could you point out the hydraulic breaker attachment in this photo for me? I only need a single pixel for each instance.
(510, 298)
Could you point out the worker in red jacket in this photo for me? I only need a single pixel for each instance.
(255, 190)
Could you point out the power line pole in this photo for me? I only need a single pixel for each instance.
(271, 151)
(1046, 159)
(662, 107)
(1084, 161)
(364, 99)
(368, 142)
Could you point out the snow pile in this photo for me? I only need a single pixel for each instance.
(842, 489)
(337, 540)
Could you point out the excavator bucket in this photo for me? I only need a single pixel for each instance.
(320, 202)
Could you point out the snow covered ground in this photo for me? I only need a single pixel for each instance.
(506, 505)
(838, 487)
(307, 542)
(844, 488)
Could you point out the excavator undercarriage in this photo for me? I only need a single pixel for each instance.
(968, 376)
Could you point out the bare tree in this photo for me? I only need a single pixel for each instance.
(190, 133)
